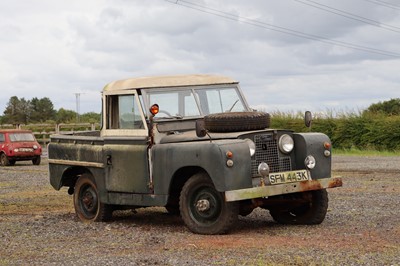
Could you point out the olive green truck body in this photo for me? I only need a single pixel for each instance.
(191, 144)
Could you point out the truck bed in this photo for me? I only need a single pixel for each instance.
(86, 137)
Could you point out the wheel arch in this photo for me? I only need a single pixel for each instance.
(71, 175)
(180, 177)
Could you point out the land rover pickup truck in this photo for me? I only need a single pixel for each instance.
(193, 145)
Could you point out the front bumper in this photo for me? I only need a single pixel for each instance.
(23, 156)
(273, 190)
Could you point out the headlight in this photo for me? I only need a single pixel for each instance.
(35, 147)
(16, 150)
(310, 162)
(286, 143)
(252, 146)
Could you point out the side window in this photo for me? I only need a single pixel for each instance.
(2, 138)
(123, 113)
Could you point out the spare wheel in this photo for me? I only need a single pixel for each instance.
(237, 121)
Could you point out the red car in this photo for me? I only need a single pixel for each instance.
(18, 145)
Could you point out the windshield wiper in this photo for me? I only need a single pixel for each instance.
(169, 117)
(233, 106)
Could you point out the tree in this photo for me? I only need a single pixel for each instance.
(42, 110)
(21, 111)
(17, 111)
(90, 117)
(65, 116)
(391, 107)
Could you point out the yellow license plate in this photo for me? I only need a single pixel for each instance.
(289, 177)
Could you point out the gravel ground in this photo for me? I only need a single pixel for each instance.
(38, 226)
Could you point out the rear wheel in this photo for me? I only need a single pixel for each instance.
(313, 211)
(87, 202)
(4, 160)
(204, 209)
(36, 160)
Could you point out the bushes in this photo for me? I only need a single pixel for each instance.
(349, 131)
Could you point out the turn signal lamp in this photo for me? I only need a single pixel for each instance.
(229, 155)
(327, 145)
(154, 109)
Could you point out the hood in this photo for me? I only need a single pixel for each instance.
(189, 136)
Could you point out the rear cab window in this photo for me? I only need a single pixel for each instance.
(16, 137)
(124, 115)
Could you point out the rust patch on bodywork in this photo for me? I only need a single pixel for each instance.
(321, 184)
(273, 190)
(336, 182)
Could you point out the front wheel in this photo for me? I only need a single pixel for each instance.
(4, 161)
(312, 211)
(36, 160)
(87, 203)
(204, 209)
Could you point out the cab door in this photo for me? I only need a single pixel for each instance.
(125, 144)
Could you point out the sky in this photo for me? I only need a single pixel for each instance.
(57, 49)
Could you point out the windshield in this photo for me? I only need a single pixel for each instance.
(175, 103)
(14, 137)
(196, 102)
(220, 100)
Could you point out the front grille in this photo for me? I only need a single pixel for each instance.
(267, 151)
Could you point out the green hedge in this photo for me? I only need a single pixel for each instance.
(350, 131)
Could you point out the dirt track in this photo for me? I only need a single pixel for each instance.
(362, 227)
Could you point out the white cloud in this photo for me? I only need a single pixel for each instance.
(53, 49)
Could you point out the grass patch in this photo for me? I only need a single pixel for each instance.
(365, 152)
(7, 185)
(34, 202)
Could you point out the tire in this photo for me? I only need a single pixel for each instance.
(36, 160)
(217, 215)
(4, 160)
(236, 121)
(87, 203)
(312, 212)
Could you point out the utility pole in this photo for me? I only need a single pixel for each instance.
(78, 105)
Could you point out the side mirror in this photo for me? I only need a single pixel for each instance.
(200, 130)
(307, 118)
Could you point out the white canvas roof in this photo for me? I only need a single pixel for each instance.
(167, 81)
